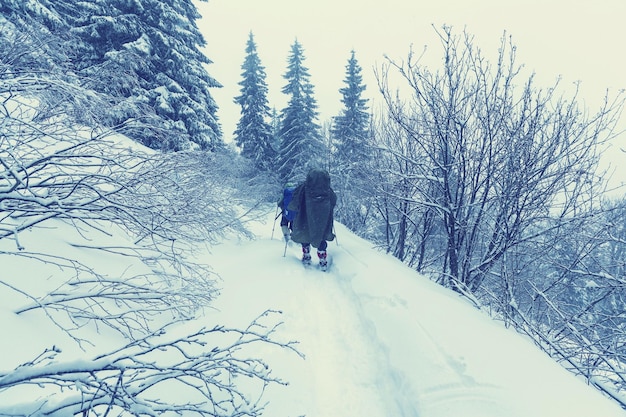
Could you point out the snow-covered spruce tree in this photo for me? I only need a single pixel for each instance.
(145, 56)
(350, 134)
(275, 128)
(94, 185)
(41, 51)
(173, 80)
(254, 133)
(350, 130)
(301, 142)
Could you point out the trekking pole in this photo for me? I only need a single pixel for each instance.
(274, 225)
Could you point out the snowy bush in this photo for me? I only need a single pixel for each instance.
(100, 241)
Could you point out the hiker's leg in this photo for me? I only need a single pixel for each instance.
(284, 227)
(306, 253)
(322, 255)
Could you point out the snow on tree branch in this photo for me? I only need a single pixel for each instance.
(157, 374)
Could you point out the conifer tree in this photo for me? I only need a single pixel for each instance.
(143, 53)
(172, 78)
(275, 126)
(254, 133)
(350, 129)
(301, 142)
(352, 153)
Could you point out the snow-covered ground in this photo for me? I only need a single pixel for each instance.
(379, 340)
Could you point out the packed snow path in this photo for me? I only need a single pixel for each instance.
(380, 340)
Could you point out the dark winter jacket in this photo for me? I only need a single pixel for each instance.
(314, 202)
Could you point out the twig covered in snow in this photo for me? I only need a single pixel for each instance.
(157, 374)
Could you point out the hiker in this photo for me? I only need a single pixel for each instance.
(314, 202)
(287, 216)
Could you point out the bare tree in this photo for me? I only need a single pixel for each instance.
(492, 160)
(509, 173)
(569, 296)
(410, 230)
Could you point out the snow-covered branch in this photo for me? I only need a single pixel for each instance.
(104, 234)
(195, 372)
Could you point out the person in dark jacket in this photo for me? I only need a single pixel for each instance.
(314, 202)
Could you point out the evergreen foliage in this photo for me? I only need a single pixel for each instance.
(351, 129)
(275, 126)
(254, 133)
(352, 151)
(27, 23)
(301, 143)
(155, 45)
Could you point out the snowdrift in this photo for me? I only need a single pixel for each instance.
(380, 340)
(375, 338)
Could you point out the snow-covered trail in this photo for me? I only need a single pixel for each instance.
(346, 370)
(382, 341)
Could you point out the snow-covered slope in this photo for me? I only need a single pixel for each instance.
(379, 340)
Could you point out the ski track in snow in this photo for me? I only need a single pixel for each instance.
(445, 389)
(379, 340)
(329, 318)
(322, 312)
(349, 326)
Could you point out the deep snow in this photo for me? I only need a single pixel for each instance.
(380, 340)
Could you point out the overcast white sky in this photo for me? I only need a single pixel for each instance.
(579, 40)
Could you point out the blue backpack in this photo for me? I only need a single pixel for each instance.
(287, 196)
